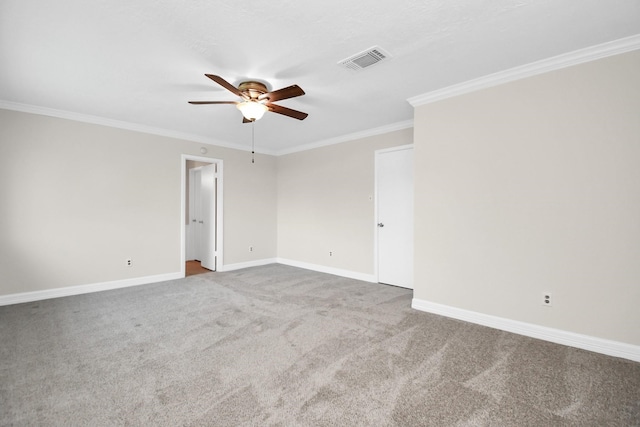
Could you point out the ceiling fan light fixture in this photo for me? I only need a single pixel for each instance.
(257, 100)
(252, 110)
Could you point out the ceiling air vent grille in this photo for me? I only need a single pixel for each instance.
(365, 59)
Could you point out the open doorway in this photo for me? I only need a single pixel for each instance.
(201, 250)
(193, 267)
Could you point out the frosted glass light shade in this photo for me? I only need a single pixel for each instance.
(252, 110)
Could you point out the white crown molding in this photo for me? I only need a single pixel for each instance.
(86, 118)
(550, 64)
(348, 137)
(558, 336)
(329, 270)
(85, 289)
(44, 111)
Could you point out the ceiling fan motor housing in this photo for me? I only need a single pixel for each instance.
(252, 89)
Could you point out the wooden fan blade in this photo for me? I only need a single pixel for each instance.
(211, 102)
(284, 93)
(287, 111)
(225, 84)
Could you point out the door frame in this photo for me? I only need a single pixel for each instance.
(219, 209)
(376, 229)
(189, 241)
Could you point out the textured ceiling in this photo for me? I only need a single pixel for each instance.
(141, 61)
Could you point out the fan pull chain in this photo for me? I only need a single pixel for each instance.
(253, 128)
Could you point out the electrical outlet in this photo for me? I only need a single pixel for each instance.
(129, 262)
(330, 253)
(250, 248)
(546, 299)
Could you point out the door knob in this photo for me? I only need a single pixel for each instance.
(380, 225)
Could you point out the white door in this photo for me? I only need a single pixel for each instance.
(195, 212)
(394, 203)
(201, 236)
(208, 217)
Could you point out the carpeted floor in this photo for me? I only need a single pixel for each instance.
(277, 345)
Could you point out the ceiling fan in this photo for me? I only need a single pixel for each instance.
(256, 99)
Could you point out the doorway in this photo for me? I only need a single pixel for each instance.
(193, 267)
(394, 215)
(201, 215)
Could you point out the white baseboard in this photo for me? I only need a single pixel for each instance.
(558, 336)
(239, 265)
(84, 289)
(329, 270)
(116, 284)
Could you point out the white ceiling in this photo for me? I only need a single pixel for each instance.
(141, 61)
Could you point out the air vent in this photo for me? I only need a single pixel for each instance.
(365, 59)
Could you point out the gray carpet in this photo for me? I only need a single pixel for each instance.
(277, 345)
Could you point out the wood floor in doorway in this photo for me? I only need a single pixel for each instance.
(194, 267)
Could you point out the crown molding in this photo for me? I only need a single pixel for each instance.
(592, 53)
(44, 111)
(550, 64)
(349, 137)
(86, 118)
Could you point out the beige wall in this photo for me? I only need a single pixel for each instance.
(252, 215)
(534, 186)
(78, 199)
(325, 203)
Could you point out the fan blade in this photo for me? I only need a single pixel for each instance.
(212, 102)
(287, 111)
(284, 93)
(225, 84)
